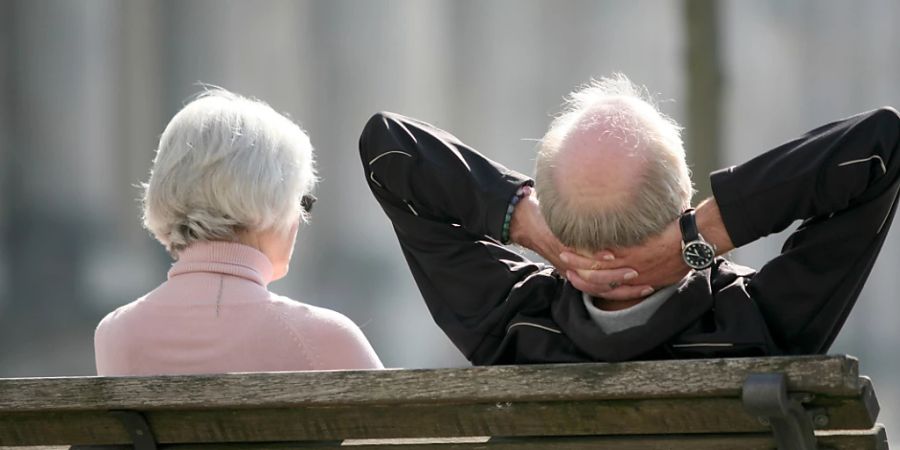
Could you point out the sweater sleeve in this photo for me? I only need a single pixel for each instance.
(105, 352)
(342, 343)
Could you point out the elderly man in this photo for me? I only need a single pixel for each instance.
(637, 273)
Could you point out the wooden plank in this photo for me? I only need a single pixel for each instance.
(872, 439)
(832, 375)
(869, 399)
(589, 417)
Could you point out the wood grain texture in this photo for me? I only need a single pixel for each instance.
(600, 417)
(872, 439)
(834, 375)
(647, 398)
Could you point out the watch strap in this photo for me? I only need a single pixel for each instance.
(688, 224)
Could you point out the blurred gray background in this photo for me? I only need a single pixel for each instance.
(86, 87)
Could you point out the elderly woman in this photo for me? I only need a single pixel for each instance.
(229, 187)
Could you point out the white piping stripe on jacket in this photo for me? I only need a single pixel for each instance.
(704, 344)
(529, 324)
(884, 221)
(372, 177)
(388, 153)
(883, 167)
(883, 171)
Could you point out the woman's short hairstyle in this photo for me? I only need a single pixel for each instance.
(226, 164)
(662, 193)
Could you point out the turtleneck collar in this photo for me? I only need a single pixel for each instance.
(228, 258)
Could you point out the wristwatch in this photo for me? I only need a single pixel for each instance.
(695, 251)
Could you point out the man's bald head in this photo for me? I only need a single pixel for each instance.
(611, 169)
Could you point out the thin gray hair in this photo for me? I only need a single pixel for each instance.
(663, 192)
(226, 164)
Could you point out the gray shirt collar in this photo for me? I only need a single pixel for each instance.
(614, 321)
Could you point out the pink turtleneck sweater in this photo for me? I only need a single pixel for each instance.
(215, 314)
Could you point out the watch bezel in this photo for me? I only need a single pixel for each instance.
(699, 241)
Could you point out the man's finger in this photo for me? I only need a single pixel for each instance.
(577, 261)
(626, 293)
(584, 286)
(617, 276)
(604, 255)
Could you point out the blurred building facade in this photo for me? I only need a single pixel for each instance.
(86, 87)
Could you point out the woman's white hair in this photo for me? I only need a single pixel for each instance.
(226, 164)
(662, 193)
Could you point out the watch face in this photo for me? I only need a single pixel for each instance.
(698, 254)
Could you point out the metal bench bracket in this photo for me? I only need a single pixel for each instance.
(765, 397)
(138, 428)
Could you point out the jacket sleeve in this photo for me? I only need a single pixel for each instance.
(447, 204)
(841, 180)
(828, 170)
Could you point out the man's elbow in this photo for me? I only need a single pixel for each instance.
(888, 117)
(375, 127)
(378, 122)
(886, 125)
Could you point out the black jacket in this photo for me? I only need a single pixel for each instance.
(447, 203)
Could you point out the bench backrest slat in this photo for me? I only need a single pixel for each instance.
(873, 439)
(835, 375)
(658, 398)
(658, 416)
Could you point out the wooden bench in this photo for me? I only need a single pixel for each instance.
(748, 403)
